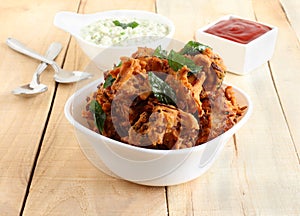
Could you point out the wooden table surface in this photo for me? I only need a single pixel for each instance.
(44, 172)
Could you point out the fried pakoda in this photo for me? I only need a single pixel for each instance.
(165, 102)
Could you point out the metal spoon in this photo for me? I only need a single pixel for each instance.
(35, 87)
(61, 75)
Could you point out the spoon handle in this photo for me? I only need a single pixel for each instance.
(18, 46)
(53, 50)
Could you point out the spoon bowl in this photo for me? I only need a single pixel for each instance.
(70, 77)
(26, 90)
(35, 87)
(63, 76)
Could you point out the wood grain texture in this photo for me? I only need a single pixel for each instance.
(291, 10)
(258, 172)
(65, 182)
(285, 64)
(23, 119)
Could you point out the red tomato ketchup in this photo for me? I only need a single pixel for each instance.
(238, 30)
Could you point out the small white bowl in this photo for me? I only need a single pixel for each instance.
(146, 166)
(73, 23)
(240, 58)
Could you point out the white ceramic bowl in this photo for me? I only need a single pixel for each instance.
(140, 165)
(73, 23)
(240, 58)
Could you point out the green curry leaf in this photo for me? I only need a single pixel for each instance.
(161, 90)
(108, 81)
(99, 115)
(160, 53)
(193, 48)
(177, 61)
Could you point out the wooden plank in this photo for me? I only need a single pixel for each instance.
(284, 70)
(65, 182)
(23, 119)
(291, 9)
(258, 173)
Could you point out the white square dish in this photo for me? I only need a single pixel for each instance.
(238, 57)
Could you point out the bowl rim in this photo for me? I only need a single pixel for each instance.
(163, 19)
(202, 29)
(69, 104)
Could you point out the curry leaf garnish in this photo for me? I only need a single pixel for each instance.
(161, 90)
(99, 115)
(119, 65)
(108, 81)
(193, 48)
(125, 25)
(177, 61)
(160, 53)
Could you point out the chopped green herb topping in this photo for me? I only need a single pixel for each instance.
(125, 25)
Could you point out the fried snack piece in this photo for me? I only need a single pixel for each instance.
(213, 67)
(134, 115)
(166, 126)
(221, 112)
